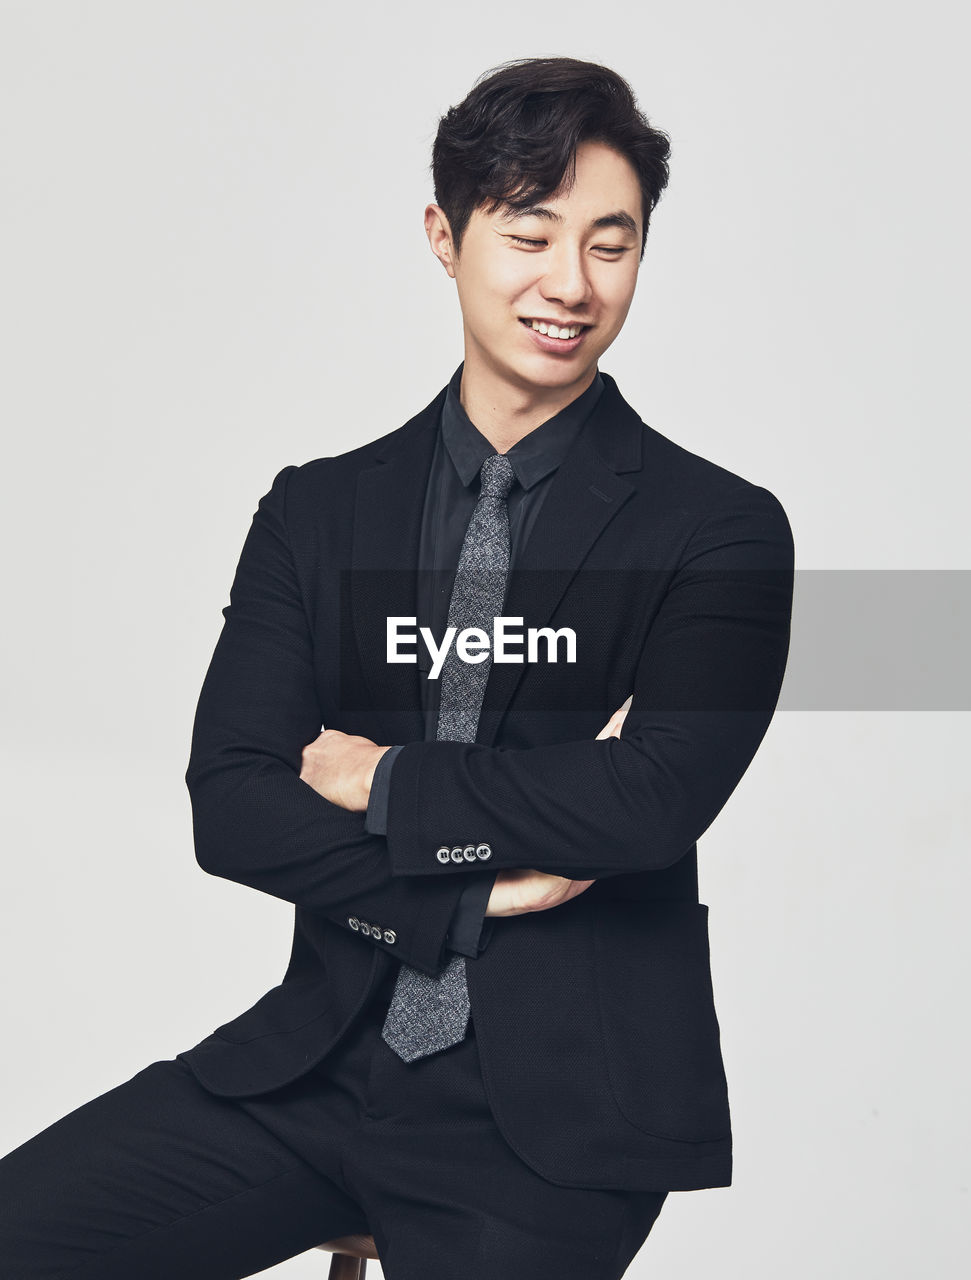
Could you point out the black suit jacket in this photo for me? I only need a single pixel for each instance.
(595, 1022)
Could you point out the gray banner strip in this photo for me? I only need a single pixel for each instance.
(879, 640)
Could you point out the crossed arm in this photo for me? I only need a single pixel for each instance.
(341, 766)
(706, 684)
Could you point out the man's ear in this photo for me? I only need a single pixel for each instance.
(440, 237)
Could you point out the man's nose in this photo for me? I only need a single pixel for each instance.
(566, 279)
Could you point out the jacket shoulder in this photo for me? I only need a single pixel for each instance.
(693, 473)
(670, 476)
(335, 475)
(709, 500)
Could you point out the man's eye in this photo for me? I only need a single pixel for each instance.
(615, 250)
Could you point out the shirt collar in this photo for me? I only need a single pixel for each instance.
(533, 457)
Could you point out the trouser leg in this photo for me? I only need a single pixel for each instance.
(159, 1178)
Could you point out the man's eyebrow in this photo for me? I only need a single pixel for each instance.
(620, 218)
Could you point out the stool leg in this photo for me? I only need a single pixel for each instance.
(344, 1268)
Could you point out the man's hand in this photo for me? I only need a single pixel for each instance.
(516, 892)
(340, 766)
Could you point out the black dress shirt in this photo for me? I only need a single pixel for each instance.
(450, 498)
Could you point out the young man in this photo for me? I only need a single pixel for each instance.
(494, 1046)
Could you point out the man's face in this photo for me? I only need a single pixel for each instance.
(570, 261)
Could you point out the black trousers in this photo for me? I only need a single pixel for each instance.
(159, 1178)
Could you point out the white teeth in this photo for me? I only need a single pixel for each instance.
(554, 331)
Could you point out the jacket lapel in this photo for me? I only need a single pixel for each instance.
(384, 557)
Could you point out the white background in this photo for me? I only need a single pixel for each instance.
(212, 233)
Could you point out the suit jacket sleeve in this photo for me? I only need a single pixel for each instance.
(706, 685)
(465, 933)
(254, 819)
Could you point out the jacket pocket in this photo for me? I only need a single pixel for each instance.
(660, 1030)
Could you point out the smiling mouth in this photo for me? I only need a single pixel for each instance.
(553, 330)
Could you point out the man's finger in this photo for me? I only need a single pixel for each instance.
(613, 726)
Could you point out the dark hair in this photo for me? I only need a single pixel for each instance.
(513, 138)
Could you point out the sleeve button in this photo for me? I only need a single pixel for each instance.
(483, 851)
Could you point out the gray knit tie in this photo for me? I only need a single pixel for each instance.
(428, 1012)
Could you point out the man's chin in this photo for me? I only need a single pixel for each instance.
(532, 372)
(551, 373)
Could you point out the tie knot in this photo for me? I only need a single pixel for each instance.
(497, 476)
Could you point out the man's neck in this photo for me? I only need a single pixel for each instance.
(505, 413)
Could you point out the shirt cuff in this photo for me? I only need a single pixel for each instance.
(466, 933)
(376, 818)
